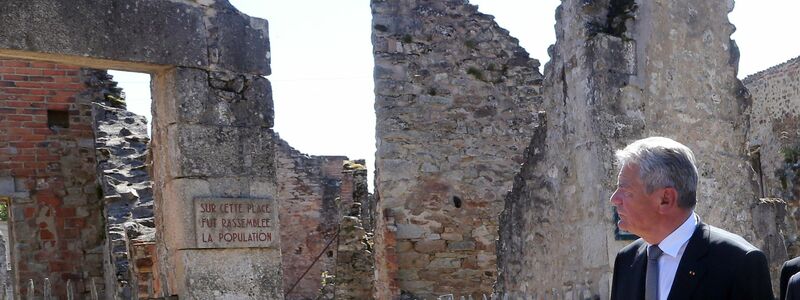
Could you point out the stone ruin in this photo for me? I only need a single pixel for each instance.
(456, 102)
(464, 117)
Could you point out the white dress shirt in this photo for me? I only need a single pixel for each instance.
(673, 246)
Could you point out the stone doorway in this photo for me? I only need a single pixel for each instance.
(213, 117)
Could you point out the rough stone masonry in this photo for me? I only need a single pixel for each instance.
(456, 100)
(212, 135)
(619, 71)
(774, 141)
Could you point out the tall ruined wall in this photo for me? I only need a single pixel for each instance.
(121, 145)
(47, 166)
(354, 260)
(775, 140)
(309, 188)
(620, 71)
(455, 100)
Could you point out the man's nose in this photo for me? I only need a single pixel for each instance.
(614, 199)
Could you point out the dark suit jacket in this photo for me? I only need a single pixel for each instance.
(715, 265)
(788, 269)
(793, 288)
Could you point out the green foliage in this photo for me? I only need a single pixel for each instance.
(476, 73)
(471, 44)
(407, 39)
(791, 154)
(3, 211)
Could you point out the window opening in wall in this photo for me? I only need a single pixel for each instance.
(57, 119)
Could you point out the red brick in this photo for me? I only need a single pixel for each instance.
(19, 118)
(43, 92)
(7, 83)
(7, 76)
(46, 235)
(29, 212)
(7, 70)
(30, 85)
(53, 72)
(69, 79)
(17, 91)
(66, 212)
(15, 63)
(75, 223)
(57, 266)
(29, 71)
(43, 78)
(42, 65)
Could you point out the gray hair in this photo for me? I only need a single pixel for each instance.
(663, 163)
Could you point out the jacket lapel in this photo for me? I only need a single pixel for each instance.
(692, 266)
(638, 271)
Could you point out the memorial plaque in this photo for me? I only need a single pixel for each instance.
(236, 222)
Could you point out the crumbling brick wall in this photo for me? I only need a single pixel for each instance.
(310, 190)
(353, 275)
(456, 101)
(47, 163)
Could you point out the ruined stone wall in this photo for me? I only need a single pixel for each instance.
(354, 260)
(620, 71)
(309, 188)
(121, 144)
(774, 139)
(47, 165)
(455, 100)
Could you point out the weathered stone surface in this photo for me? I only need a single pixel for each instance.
(620, 71)
(218, 274)
(456, 98)
(217, 37)
(774, 143)
(196, 96)
(219, 151)
(237, 42)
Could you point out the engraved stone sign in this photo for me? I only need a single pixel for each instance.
(236, 222)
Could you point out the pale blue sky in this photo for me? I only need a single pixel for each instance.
(322, 61)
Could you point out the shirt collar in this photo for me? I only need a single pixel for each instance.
(674, 241)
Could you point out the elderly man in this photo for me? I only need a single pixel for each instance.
(678, 256)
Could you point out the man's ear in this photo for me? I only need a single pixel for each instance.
(669, 198)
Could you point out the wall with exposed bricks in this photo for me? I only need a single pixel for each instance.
(47, 166)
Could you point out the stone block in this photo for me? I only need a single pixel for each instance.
(237, 42)
(461, 245)
(412, 260)
(410, 231)
(177, 213)
(133, 31)
(6, 185)
(195, 96)
(428, 246)
(444, 263)
(230, 274)
(219, 151)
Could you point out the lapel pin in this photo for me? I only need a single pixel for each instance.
(691, 273)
